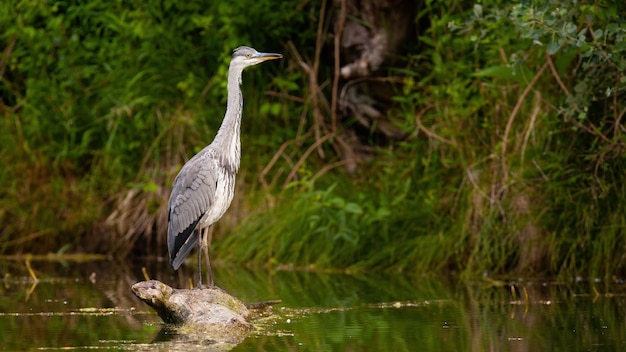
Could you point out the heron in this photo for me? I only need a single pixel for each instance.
(205, 185)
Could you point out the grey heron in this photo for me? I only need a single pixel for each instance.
(204, 187)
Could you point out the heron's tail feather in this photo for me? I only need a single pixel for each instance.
(183, 243)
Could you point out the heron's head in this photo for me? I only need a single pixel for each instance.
(245, 56)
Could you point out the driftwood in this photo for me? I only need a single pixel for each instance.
(369, 35)
(210, 312)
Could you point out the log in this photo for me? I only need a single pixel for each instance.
(209, 311)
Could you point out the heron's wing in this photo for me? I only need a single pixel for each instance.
(192, 196)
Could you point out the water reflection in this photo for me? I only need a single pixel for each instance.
(90, 305)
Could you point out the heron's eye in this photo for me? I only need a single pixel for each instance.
(248, 56)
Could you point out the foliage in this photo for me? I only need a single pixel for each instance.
(102, 102)
(512, 166)
(514, 159)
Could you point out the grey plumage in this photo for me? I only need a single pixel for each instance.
(204, 187)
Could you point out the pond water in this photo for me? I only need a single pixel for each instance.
(78, 306)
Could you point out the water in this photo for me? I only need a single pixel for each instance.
(78, 306)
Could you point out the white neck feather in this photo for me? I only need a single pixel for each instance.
(227, 141)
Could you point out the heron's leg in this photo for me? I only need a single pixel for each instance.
(199, 234)
(205, 246)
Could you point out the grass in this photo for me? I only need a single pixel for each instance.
(512, 164)
(494, 180)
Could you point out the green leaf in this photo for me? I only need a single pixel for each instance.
(353, 208)
(502, 72)
(554, 46)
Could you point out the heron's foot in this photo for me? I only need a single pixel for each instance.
(206, 287)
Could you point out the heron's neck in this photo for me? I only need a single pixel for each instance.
(227, 140)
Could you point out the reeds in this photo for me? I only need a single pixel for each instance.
(513, 161)
(498, 177)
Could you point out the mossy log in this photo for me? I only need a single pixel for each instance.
(210, 311)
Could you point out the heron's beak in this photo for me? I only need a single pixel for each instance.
(268, 56)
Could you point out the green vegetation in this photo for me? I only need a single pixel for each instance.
(514, 160)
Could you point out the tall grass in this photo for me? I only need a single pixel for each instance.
(513, 162)
(102, 102)
(511, 168)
